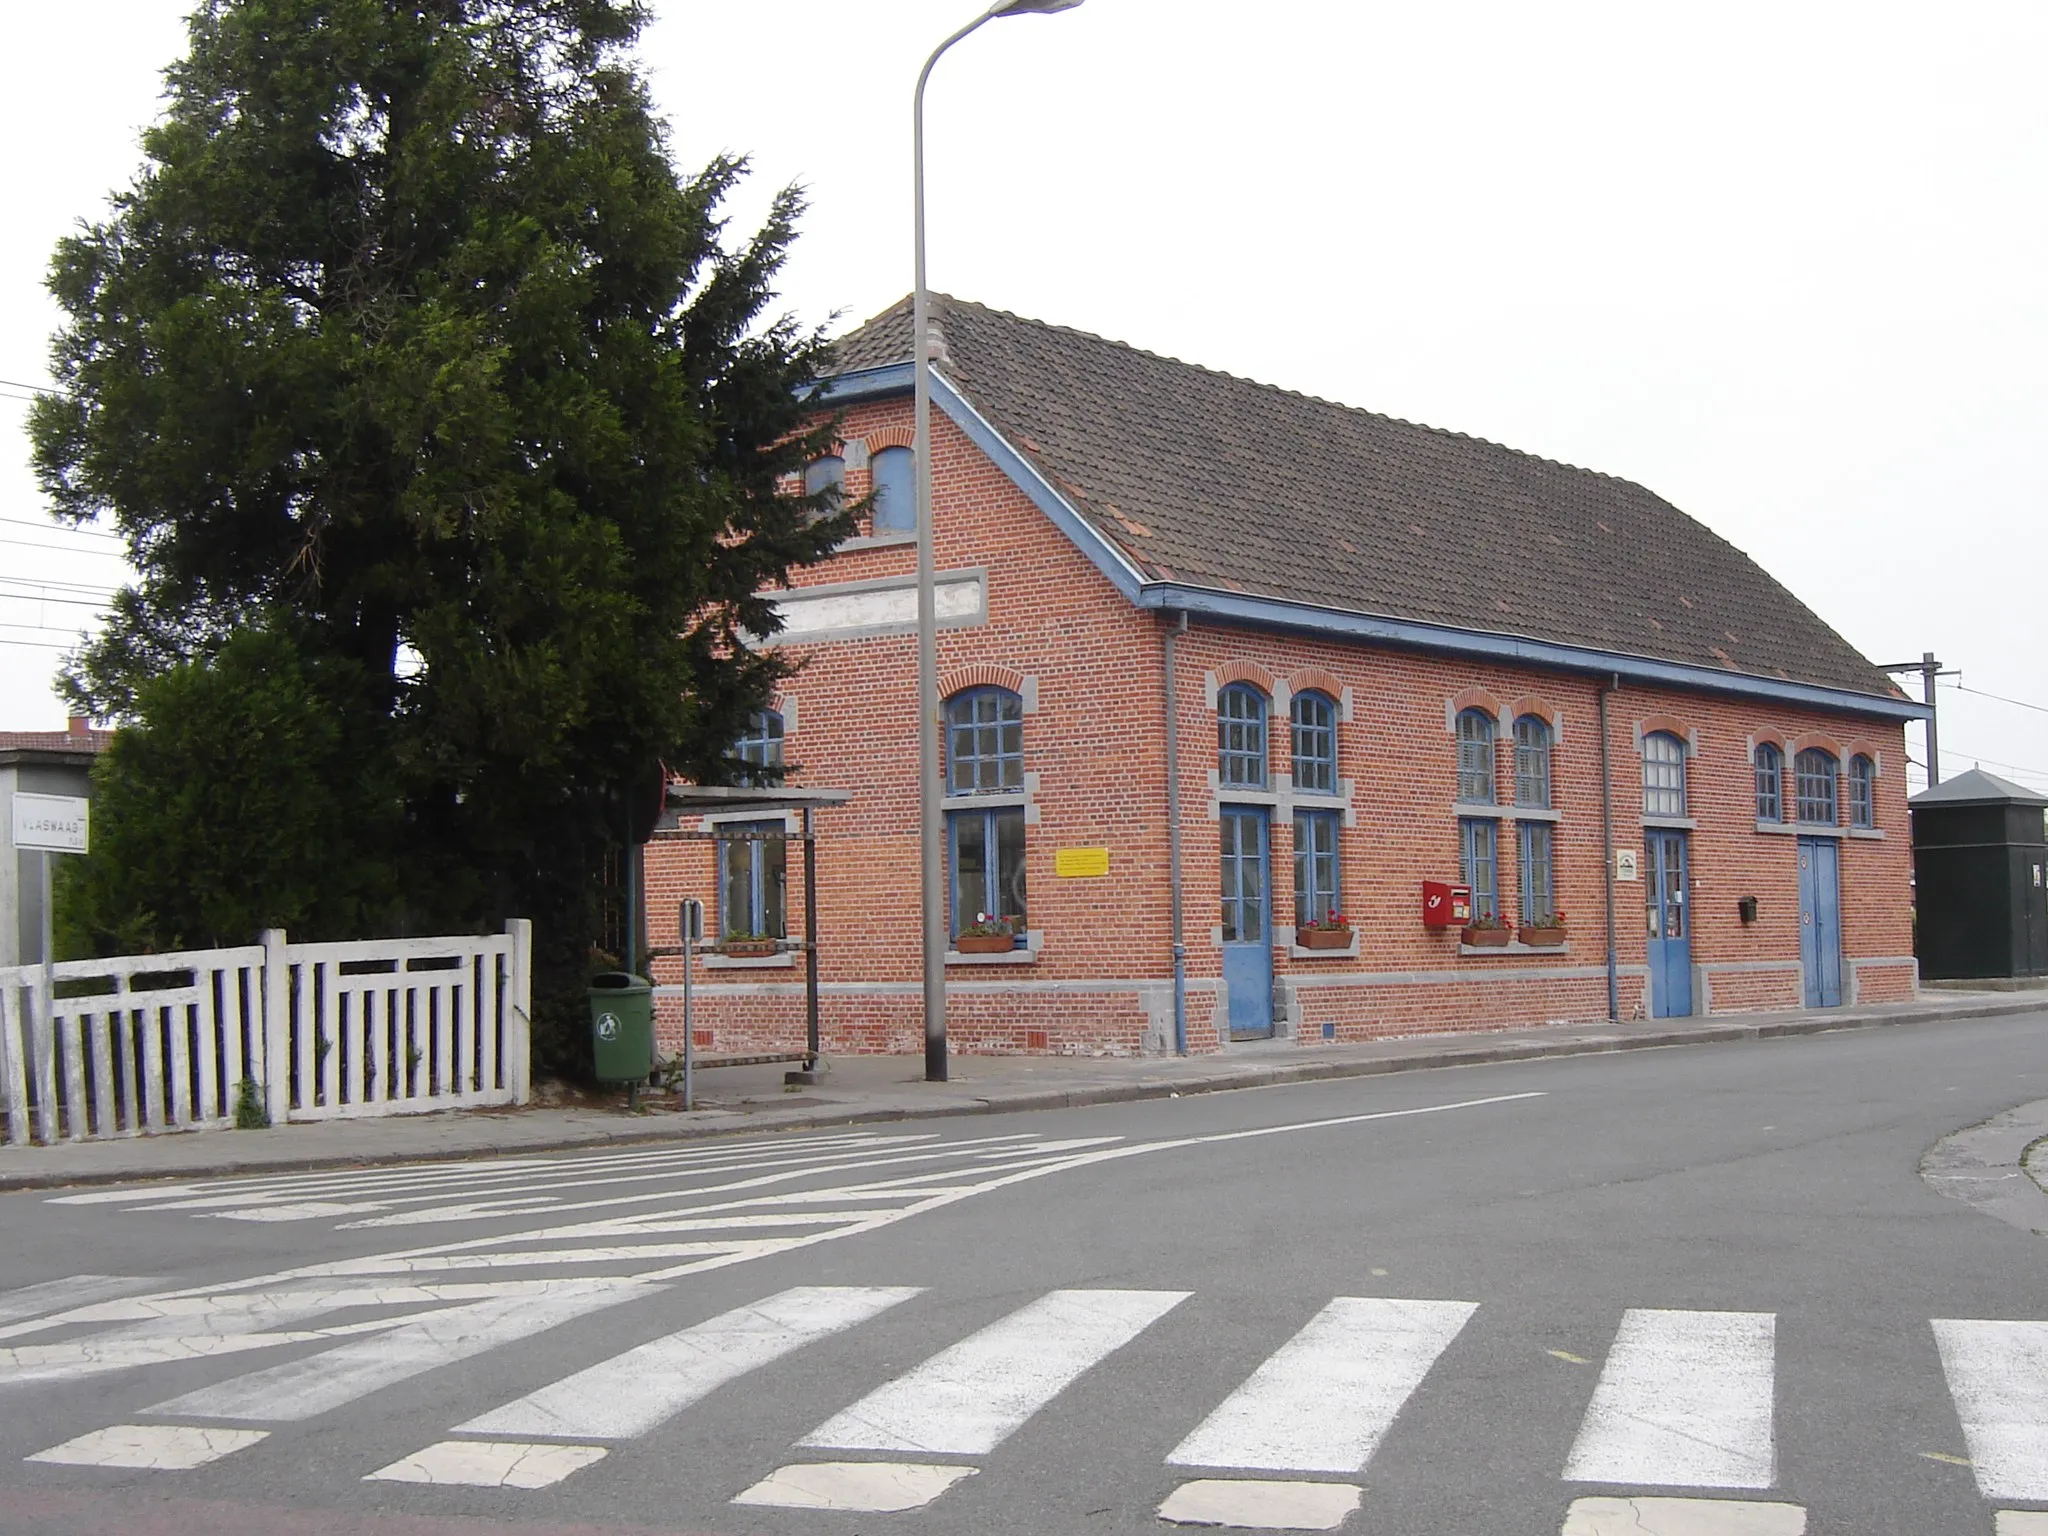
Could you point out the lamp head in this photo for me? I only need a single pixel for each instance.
(1033, 7)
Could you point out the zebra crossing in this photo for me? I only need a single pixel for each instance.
(1676, 1438)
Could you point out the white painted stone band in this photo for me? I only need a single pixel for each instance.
(634, 1392)
(1685, 1400)
(1998, 1375)
(1326, 1398)
(966, 1400)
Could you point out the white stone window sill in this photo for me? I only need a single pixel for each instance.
(1515, 947)
(1006, 957)
(1477, 810)
(1816, 829)
(1673, 823)
(716, 962)
(875, 541)
(1348, 952)
(1871, 834)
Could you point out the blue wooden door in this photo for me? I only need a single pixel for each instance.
(1668, 899)
(1248, 921)
(1820, 920)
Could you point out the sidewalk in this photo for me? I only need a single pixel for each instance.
(865, 1089)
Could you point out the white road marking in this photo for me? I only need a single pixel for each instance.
(305, 1210)
(155, 1447)
(489, 1464)
(634, 1392)
(62, 1295)
(1998, 1375)
(1682, 1517)
(304, 1389)
(1685, 1400)
(967, 1399)
(1325, 1399)
(1245, 1504)
(2021, 1522)
(861, 1487)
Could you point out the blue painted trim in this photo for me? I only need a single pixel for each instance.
(1275, 613)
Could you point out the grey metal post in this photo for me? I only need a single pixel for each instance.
(810, 942)
(689, 1019)
(1929, 670)
(931, 827)
(46, 1008)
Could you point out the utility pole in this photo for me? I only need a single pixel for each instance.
(1929, 669)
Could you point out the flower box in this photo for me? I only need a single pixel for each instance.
(1322, 938)
(748, 949)
(984, 944)
(1541, 937)
(1488, 938)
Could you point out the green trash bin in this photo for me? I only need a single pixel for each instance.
(622, 1026)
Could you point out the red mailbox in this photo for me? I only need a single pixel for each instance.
(1446, 906)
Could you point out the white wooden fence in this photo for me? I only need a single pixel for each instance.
(148, 1043)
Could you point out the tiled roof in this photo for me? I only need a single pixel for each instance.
(56, 741)
(1214, 481)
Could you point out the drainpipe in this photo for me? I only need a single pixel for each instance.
(1180, 949)
(1607, 854)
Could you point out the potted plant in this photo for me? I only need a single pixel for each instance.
(1545, 934)
(1487, 933)
(748, 946)
(986, 936)
(1331, 932)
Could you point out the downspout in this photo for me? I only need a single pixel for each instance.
(1180, 949)
(1607, 854)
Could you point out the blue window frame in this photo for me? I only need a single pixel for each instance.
(1539, 876)
(1315, 743)
(985, 742)
(987, 858)
(1663, 775)
(1814, 774)
(1316, 891)
(761, 749)
(1532, 762)
(753, 881)
(1480, 864)
(895, 489)
(1241, 737)
(1770, 782)
(1862, 792)
(1475, 757)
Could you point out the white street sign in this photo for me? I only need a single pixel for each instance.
(52, 823)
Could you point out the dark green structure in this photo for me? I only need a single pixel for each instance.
(1980, 874)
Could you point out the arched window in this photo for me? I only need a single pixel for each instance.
(1663, 775)
(1475, 757)
(1315, 743)
(984, 742)
(895, 477)
(1532, 762)
(828, 473)
(760, 748)
(1862, 792)
(985, 847)
(1815, 772)
(1241, 737)
(1770, 782)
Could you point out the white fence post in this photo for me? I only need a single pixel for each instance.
(519, 1012)
(277, 1026)
(13, 1059)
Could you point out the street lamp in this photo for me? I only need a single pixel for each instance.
(931, 827)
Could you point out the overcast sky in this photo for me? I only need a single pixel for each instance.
(1783, 264)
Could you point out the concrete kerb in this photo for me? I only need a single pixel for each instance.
(1428, 1053)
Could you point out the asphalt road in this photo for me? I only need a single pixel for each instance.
(1462, 1301)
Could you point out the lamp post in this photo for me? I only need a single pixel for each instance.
(931, 827)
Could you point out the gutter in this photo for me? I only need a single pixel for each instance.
(1180, 948)
(1607, 854)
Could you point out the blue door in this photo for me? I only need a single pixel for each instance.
(1248, 921)
(1820, 920)
(1665, 891)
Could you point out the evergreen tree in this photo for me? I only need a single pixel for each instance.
(409, 342)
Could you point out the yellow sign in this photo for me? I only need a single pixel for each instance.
(1080, 863)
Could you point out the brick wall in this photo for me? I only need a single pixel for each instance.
(1095, 752)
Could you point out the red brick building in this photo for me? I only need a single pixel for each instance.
(1380, 654)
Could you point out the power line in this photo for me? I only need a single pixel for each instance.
(2041, 709)
(40, 389)
(98, 605)
(51, 584)
(85, 533)
(59, 549)
(35, 645)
